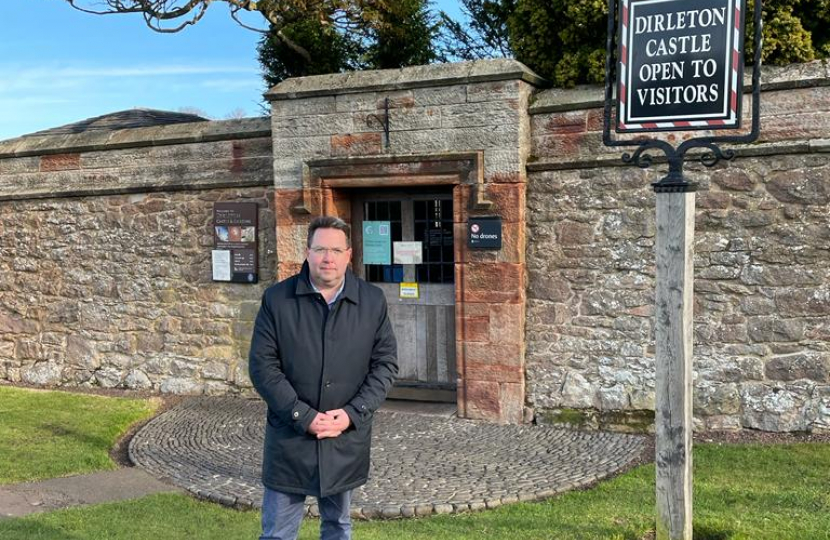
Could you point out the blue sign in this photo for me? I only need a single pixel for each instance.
(377, 242)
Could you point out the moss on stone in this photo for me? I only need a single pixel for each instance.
(634, 421)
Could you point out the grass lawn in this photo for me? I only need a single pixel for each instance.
(742, 492)
(51, 434)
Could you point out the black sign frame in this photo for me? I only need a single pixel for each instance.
(727, 57)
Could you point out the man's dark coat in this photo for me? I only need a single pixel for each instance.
(304, 359)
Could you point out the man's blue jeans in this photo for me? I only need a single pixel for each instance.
(283, 512)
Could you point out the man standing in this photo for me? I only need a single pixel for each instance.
(323, 357)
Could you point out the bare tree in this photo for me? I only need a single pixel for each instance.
(236, 114)
(174, 15)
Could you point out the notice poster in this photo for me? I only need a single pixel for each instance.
(408, 252)
(409, 290)
(377, 242)
(221, 262)
(235, 234)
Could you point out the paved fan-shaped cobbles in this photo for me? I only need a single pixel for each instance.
(421, 465)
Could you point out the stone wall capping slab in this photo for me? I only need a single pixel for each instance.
(220, 130)
(29, 194)
(741, 151)
(773, 78)
(387, 80)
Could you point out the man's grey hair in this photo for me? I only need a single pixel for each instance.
(329, 222)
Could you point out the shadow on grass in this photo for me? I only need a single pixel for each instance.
(18, 529)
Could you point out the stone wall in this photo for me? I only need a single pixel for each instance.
(105, 267)
(762, 269)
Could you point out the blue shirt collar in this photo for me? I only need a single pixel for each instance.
(336, 296)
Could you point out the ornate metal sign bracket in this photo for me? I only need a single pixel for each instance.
(674, 181)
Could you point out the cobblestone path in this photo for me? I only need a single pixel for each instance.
(421, 464)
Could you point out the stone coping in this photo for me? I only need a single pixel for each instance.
(190, 132)
(421, 464)
(611, 155)
(810, 74)
(502, 69)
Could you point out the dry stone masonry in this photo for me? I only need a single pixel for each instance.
(105, 276)
(762, 269)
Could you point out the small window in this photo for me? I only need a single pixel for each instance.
(434, 228)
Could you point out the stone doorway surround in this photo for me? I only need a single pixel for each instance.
(463, 125)
(490, 293)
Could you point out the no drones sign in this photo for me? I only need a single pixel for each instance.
(680, 65)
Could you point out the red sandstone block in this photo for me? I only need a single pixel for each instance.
(511, 402)
(493, 354)
(287, 202)
(356, 144)
(404, 99)
(507, 323)
(60, 162)
(459, 198)
(482, 401)
(506, 374)
(505, 178)
(508, 200)
(490, 283)
(596, 120)
(566, 122)
(287, 269)
(570, 145)
(472, 329)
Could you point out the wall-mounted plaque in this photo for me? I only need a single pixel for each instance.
(235, 232)
(484, 233)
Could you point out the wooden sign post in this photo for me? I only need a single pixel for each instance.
(673, 363)
(679, 68)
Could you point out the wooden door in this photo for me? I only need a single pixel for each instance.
(424, 327)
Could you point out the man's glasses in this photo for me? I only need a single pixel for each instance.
(334, 251)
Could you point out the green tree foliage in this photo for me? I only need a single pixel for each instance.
(794, 31)
(564, 40)
(392, 35)
(401, 35)
(329, 51)
(484, 36)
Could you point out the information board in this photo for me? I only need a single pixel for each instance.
(235, 240)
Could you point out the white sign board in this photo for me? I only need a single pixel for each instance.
(221, 264)
(408, 252)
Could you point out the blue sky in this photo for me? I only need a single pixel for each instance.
(58, 65)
